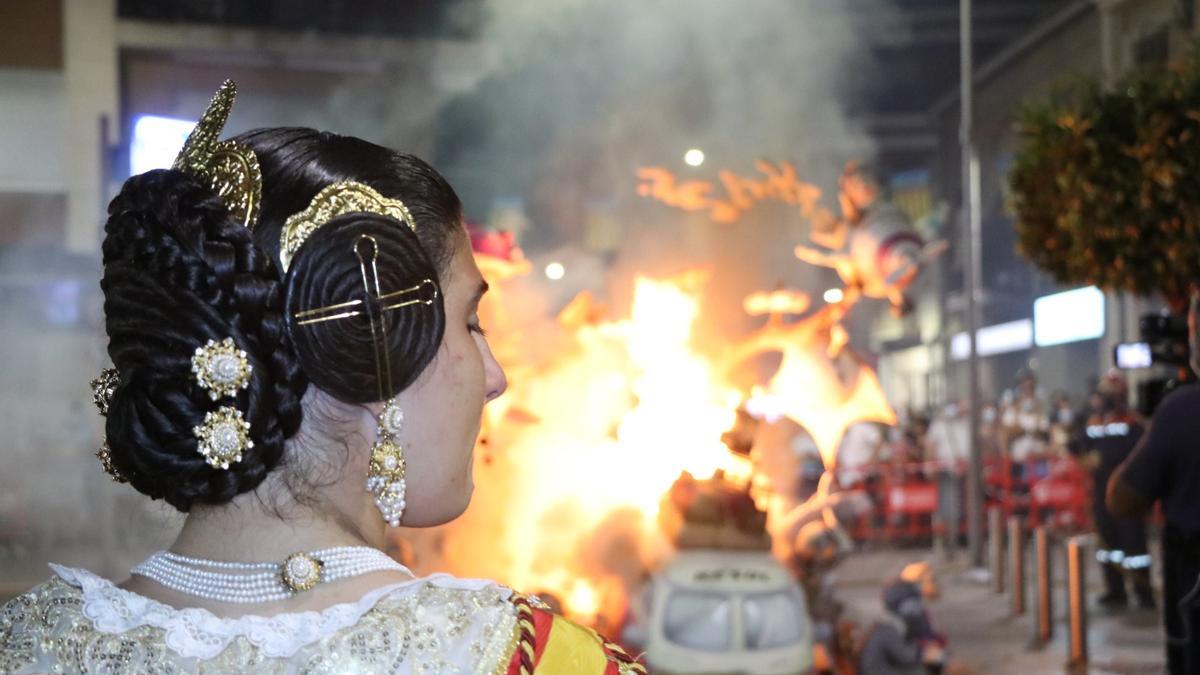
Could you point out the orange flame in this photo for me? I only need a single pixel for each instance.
(622, 407)
(621, 410)
(818, 385)
(583, 600)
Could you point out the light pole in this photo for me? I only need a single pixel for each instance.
(971, 235)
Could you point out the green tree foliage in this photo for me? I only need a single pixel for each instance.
(1106, 185)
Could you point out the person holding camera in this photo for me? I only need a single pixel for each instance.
(1165, 467)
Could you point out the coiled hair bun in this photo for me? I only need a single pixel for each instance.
(339, 356)
(329, 270)
(179, 271)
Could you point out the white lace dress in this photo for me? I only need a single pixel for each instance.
(81, 623)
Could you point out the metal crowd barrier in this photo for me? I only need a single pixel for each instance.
(1051, 492)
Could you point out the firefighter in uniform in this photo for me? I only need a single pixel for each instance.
(1110, 436)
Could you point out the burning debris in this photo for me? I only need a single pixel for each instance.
(819, 385)
(874, 248)
(712, 514)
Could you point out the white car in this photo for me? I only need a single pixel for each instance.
(718, 611)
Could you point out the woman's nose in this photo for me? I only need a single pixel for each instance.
(494, 377)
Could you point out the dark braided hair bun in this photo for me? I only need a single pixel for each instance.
(180, 270)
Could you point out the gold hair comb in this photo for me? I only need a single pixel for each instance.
(228, 167)
(336, 199)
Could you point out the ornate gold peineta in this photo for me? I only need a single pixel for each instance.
(228, 167)
(337, 199)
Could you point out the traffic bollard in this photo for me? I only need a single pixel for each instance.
(1016, 563)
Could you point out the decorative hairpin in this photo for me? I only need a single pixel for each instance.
(221, 368)
(223, 437)
(228, 167)
(104, 454)
(103, 388)
(337, 199)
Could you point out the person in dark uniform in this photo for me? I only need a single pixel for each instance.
(1109, 437)
(1166, 466)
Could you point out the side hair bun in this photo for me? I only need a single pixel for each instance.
(180, 270)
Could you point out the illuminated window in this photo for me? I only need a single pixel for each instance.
(156, 142)
(998, 339)
(1068, 317)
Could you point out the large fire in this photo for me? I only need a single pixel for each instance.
(617, 415)
(569, 483)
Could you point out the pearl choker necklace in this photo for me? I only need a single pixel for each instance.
(248, 583)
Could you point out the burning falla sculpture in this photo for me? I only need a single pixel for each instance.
(874, 248)
(820, 384)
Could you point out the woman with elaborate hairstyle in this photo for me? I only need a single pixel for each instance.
(297, 366)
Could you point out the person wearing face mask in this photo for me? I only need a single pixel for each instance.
(1062, 422)
(1027, 420)
(1166, 466)
(1109, 436)
(947, 444)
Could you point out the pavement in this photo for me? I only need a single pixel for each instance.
(985, 635)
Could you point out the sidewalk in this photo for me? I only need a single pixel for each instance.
(984, 634)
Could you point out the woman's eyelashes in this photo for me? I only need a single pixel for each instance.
(474, 327)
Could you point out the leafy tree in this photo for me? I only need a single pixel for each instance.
(1106, 184)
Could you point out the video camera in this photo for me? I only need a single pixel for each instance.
(1163, 340)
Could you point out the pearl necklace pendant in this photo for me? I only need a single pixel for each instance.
(301, 572)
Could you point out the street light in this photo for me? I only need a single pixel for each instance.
(833, 296)
(694, 157)
(555, 271)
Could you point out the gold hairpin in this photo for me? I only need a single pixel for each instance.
(312, 316)
(221, 368)
(228, 167)
(337, 199)
(104, 454)
(223, 437)
(103, 388)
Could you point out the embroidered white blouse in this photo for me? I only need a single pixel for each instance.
(81, 623)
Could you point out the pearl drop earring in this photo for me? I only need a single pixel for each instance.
(385, 475)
